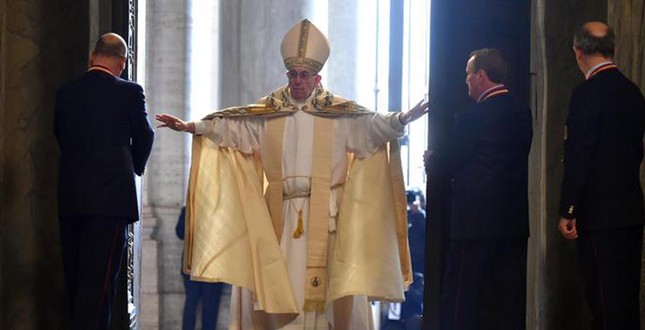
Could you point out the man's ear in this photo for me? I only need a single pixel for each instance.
(482, 74)
(577, 52)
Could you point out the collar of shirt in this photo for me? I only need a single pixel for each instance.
(593, 68)
(100, 68)
(483, 96)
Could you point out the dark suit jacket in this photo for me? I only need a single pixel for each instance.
(603, 152)
(486, 155)
(104, 136)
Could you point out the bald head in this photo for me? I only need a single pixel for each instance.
(595, 38)
(111, 45)
(597, 29)
(110, 52)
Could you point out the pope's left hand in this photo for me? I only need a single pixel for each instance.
(415, 113)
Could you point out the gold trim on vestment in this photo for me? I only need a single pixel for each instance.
(303, 38)
(273, 171)
(303, 61)
(243, 111)
(278, 103)
(319, 215)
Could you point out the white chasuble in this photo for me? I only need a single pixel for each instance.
(347, 304)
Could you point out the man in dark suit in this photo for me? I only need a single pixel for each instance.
(105, 138)
(602, 202)
(486, 156)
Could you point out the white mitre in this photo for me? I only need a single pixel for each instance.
(304, 45)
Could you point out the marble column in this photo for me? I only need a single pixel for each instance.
(166, 175)
(251, 32)
(343, 64)
(536, 277)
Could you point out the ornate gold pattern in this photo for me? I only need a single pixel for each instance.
(134, 236)
(247, 110)
(300, 58)
(303, 61)
(302, 40)
(278, 103)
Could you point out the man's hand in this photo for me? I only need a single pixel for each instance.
(568, 228)
(415, 113)
(175, 123)
(426, 157)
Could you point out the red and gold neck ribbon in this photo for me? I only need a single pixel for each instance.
(497, 90)
(100, 68)
(606, 66)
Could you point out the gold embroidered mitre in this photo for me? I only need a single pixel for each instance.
(304, 45)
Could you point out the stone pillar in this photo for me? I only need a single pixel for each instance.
(539, 219)
(250, 61)
(627, 19)
(344, 37)
(166, 175)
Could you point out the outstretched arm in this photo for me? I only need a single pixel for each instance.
(175, 123)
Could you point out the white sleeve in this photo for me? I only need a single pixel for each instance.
(241, 133)
(368, 133)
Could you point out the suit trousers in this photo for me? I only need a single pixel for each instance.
(610, 263)
(484, 285)
(92, 249)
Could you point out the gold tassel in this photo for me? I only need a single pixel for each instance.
(299, 230)
(314, 306)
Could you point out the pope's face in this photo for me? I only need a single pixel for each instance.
(302, 81)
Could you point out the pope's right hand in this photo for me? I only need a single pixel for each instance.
(172, 122)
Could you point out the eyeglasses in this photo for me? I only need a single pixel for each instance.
(304, 75)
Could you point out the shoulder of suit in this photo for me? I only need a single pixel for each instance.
(496, 101)
(600, 83)
(128, 85)
(502, 103)
(125, 82)
(73, 85)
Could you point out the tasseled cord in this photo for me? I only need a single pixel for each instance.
(300, 228)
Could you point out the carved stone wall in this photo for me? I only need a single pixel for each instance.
(43, 43)
(627, 17)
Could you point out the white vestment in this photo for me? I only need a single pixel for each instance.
(360, 135)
